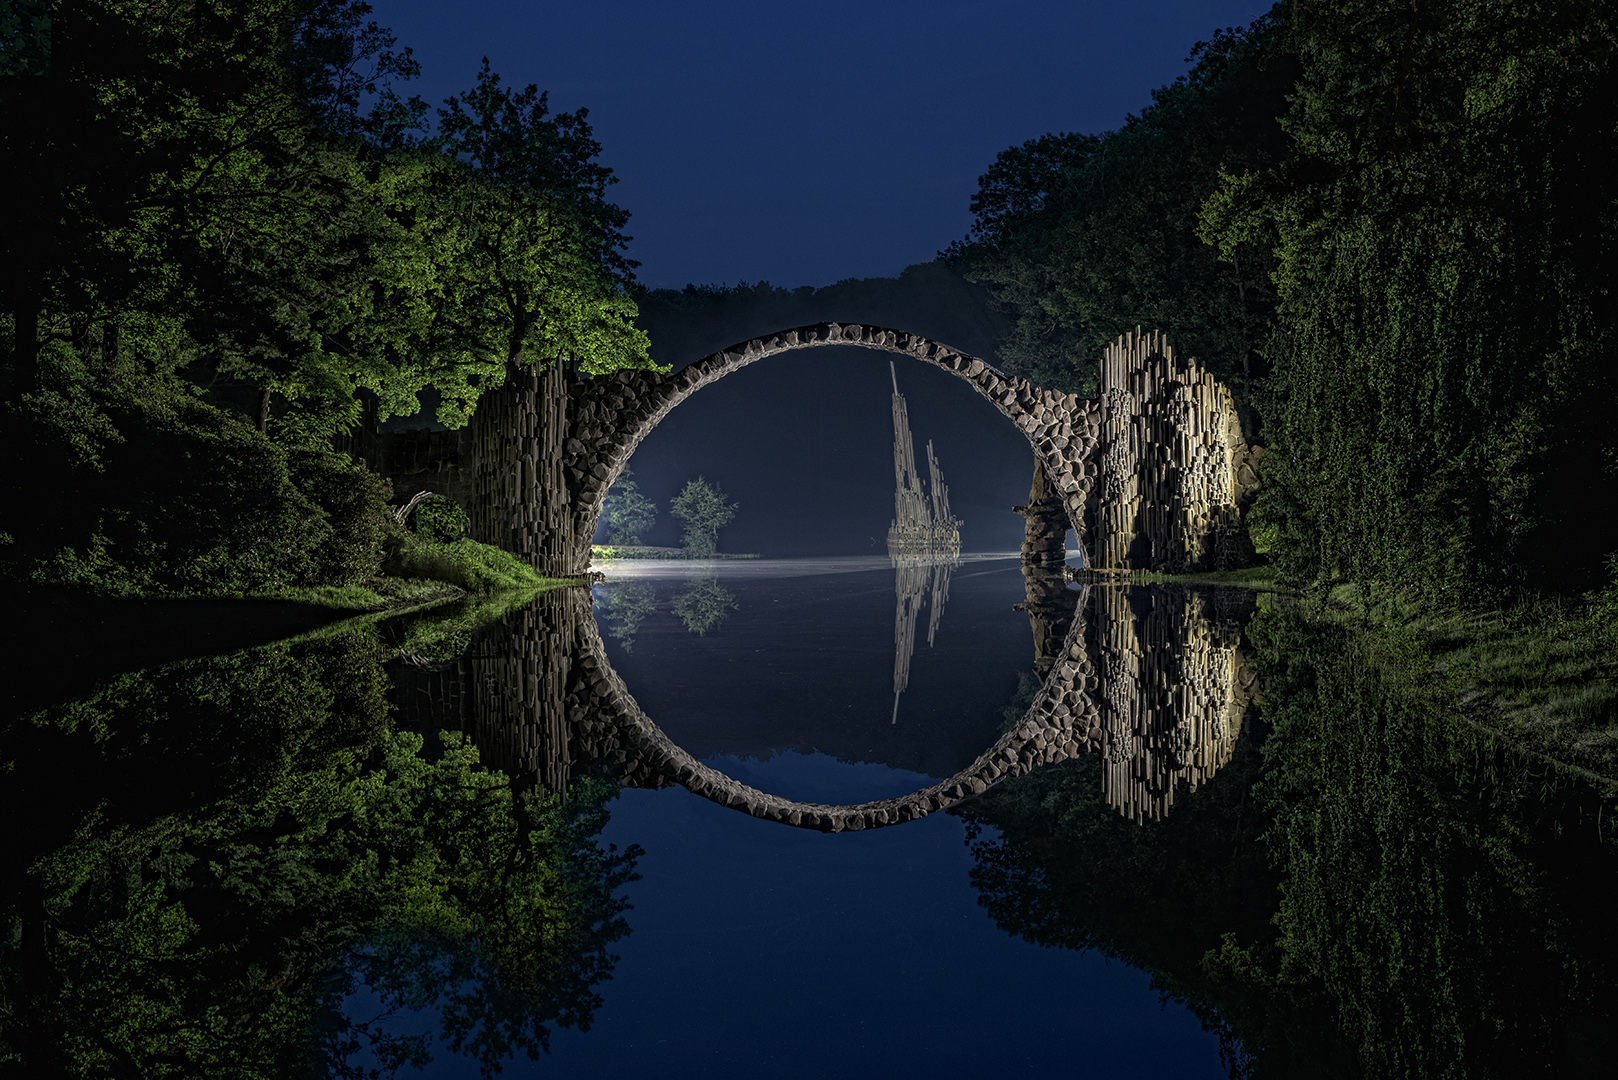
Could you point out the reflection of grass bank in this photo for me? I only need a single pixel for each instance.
(442, 632)
(1257, 577)
(1541, 672)
(604, 552)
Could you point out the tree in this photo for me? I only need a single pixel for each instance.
(1082, 238)
(703, 508)
(1444, 227)
(630, 515)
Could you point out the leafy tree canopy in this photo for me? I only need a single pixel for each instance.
(702, 507)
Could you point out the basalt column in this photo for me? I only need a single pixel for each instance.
(1174, 465)
(519, 501)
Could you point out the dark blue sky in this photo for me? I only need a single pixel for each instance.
(807, 143)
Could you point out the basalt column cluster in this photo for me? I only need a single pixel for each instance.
(1176, 472)
(922, 526)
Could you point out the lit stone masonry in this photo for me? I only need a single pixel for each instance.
(1176, 474)
(1158, 463)
(1174, 689)
(612, 414)
(1158, 693)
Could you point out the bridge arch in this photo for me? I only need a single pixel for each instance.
(611, 415)
(1062, 722)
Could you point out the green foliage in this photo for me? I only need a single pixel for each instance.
(703, 509)
(1370, 886)
(240, 218)
(215, 925)
(132, 484)
(441, 520)
(438, 549)
(1083, 238)
(1442, 385)
(1444, 894)
(703, 604)
(625, 607)
(630, 515)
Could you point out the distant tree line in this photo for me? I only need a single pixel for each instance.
(1391, 229)
(226, 227)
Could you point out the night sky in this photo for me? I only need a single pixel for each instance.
(804, 145)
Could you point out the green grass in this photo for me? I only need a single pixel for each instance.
(619, 551)
(468, 565)
(379, 594)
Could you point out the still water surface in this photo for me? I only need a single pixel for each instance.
(1221, 836)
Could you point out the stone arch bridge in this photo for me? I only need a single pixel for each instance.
(1156, 464)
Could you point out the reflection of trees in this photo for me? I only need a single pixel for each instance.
(705, 604)
(625, 607)
(1398, 897)
(223, 848)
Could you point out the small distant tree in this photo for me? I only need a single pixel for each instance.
(630, 515)
(703, 509)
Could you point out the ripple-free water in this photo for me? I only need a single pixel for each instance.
(759, 949)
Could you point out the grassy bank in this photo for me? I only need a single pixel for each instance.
(604, 552)
(421, 571)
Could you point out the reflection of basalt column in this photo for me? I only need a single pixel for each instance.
(1173, 691)
(1174, 464)
(517, 671)
(916, 579)
(507, 691)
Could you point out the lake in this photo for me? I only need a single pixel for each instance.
(806, 817)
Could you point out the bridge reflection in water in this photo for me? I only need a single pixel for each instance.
(1150, 677)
